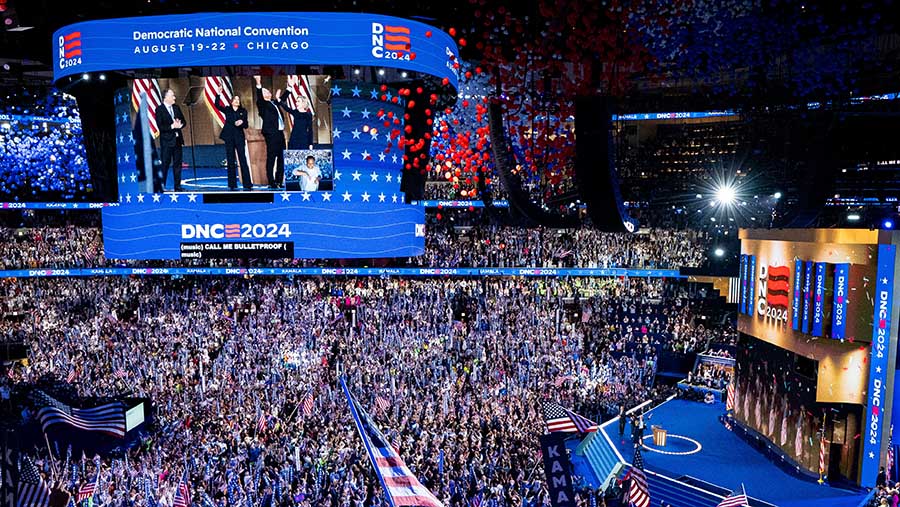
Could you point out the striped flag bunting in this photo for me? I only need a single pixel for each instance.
(558, 419)
(32, 490)
(211, 87)
(308, 405)
(734, 501)
(638, 491)
(401, 487)
(182, 493)
(154, 99)
(108, 418)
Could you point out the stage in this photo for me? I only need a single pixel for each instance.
(700, 447)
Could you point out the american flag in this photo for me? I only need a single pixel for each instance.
(734, 501)
(559, 419)
(182, 493)
(401, 486)
(300, 88)
(211, 87)
(729, 402)
(476, 500)
(87, 490)
(154, 99)
(107, 418)
(822, 453)
(71, 376)
(638, 492)
(120, 373)
(32, 490)
(308, 405)
(261, 424)
(381, 403)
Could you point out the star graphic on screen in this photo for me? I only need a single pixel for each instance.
(133, 177)
(127, 197)
(285, 196)
(75, 205)
(394, 198)
(192, 197)
(156, 197)
(123, 178)
(345, 112)
(389, 96)
(394, 158)
(381, 157)
(871, 455)
(121, 139)
(366, 196)
(355, 91)
(326, 197)
(174, 197)
(336, 133)
(389, 177)
(365, 113)
(355, 133)
(381, 197)
(346, 153)
(336, 90)
(884, 281)
(127, 157)
(131, 137)
(374, 176)
(337, 175)
(878, 369)
(374, 134)
(306, 196)
(373, 94)
(140, 197)
(346, 195)
(356, 175)
(365, 155)
(121, 198)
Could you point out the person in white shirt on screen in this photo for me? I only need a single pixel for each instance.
(310, 175)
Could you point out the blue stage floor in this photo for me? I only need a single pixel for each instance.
(724, 459)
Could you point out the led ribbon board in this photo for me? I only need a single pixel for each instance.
(254, 38)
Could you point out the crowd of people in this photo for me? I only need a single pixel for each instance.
(458, 397)
(42, 152)
(67, 245)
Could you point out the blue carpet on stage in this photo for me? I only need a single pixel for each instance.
(724, 459)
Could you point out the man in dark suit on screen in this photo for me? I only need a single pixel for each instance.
(170, 121)
(273, 133)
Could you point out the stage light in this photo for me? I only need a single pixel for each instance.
(380, 72)
(403, 74)
(726, 195)
(853, 217)
(887, 224)
(102, 77)
(355, 72)
(719, 252)
(86, 76)
(6, 66)
(777, 195)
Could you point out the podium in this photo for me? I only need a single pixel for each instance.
(659, 436)
(256, 146)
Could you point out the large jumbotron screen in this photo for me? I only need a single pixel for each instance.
(322, 109)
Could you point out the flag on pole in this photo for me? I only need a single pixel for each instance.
(638, 492)
(71, 376)
(32, 490)
(154, 99)
(734, 501)
(558, 419)
(729, 402)
(401, 487)
(87, 490)
(211, 87)
(107, 418)
(381, 403)
(182, 493)
(308, 405)
(261, 424)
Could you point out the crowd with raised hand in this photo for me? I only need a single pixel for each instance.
(80, 246)
(211, 354)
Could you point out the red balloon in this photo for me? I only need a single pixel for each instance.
(445, 81)
(383, 88)
(411, 104)
(462, 42)
(452, 32)
(419, 90)
(428, 33)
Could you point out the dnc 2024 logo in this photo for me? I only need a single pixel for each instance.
(69, 50)
(391, 42)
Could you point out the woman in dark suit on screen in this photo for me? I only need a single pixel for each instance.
(233, 135)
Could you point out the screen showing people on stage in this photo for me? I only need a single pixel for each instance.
(231, 133)
(308, 170)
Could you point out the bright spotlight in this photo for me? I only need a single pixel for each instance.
(888, 224)
(380, 72)
(403, 74)
(102, 77)
(853, 217)
(86, 77)
(777, 195)
(726, 195)
(719, 252)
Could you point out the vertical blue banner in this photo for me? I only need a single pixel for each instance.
(807, 292)
(839, 305)
(878, 366)
(743, 305)
(751, 277)
(795, 306)
(818, 314)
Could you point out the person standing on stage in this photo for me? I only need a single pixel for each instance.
(622, 420)
(233, 135)
(273, 133)
(301, 131)
(170, 122)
